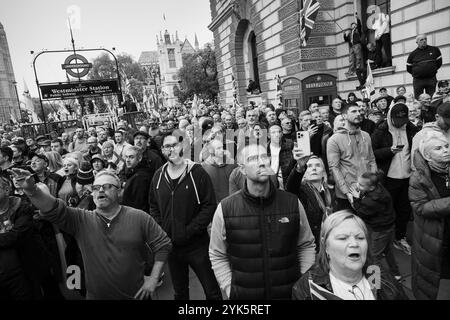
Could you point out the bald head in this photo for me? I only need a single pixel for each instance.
(421, 41)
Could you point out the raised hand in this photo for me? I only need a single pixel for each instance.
(22, 178)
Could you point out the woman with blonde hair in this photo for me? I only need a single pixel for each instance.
(55, 162)
(343, 269)
(429, 194)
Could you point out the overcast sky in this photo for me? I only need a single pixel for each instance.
(130, 26)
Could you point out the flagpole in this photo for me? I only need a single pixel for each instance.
(73, 47)
(334, 21)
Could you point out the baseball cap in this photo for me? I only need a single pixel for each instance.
(41, 156)
(444, 111)
(141, 133)
(398, 98)
(399, 114)
(43, 143)
(38, 138)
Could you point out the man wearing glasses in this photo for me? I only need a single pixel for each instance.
(182, 201)
(113, 239)
(261, 241)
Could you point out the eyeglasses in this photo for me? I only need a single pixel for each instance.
(105, 187)
(260, 157)
(170, 146)
(357, 292)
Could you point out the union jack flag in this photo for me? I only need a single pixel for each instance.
(308, 13)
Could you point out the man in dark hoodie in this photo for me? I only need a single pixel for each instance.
(182, 201)
(149, 154)
(373, 204)
(139, 176)
(392, 141)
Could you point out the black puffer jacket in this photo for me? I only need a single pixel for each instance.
(430, 212)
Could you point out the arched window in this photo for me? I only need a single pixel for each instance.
(251, 61)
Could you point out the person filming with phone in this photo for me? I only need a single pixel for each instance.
(392, 141)
(313, 124)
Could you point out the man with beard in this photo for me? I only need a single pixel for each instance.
(113, 239)
(261, 241)
(120, 143)
(349, 154)
(182, 201)
(141, 140)
(80, 143)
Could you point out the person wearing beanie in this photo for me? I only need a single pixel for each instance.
(85, 179)
(392, 141)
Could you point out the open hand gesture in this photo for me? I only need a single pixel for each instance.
(148, 288)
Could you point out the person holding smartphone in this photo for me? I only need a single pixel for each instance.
(392, 141)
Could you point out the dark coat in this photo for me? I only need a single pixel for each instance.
(376, 209)
(285, 157)
(21, 247)
(137, 186)
(368, 126)
(430, 214)
(382, 143)
(389, 289)
(184, 212)
(313, 210)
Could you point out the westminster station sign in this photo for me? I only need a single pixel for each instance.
(79, 89)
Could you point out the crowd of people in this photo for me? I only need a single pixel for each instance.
(234, 193)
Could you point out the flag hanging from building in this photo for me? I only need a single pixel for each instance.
(369, 89)
(308, 14)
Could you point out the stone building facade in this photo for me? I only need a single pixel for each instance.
(8, 98)
(259, 39)
(170, 58)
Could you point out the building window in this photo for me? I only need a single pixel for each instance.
(376, 23)
(171, 54)
(252, 58)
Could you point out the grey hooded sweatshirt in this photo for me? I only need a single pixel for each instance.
(349, 154)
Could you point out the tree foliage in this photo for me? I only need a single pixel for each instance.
(198, 75)
(104, 67)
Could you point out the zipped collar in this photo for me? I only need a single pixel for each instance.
(265, 201)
